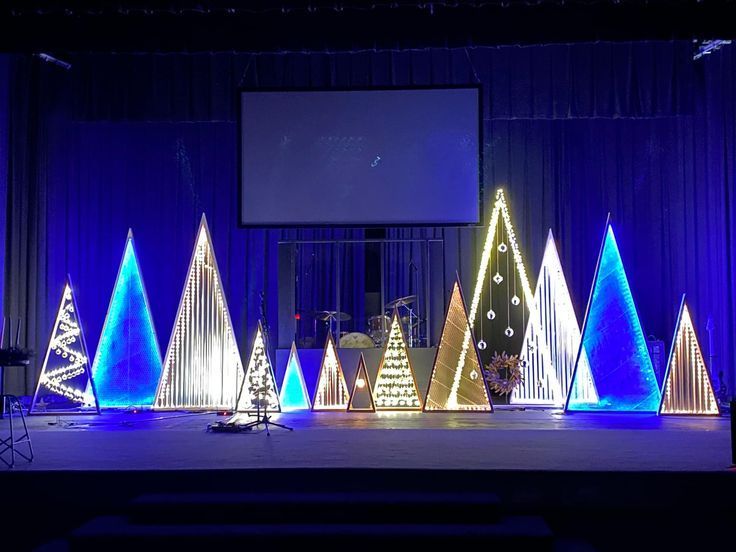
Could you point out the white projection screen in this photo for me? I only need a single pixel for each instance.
(376, 157)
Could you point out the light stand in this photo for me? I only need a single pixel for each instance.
(264, 419)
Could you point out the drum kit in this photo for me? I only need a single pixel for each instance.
(378, 326)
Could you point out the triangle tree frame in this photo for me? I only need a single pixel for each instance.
(684, 324)
(90, 386)
(202, 399)
(451, 404)
(501, 209)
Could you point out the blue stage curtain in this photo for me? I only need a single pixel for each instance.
(4, 130)
(571, 131)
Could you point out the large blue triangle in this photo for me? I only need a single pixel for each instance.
(127, 365)
(613, 343)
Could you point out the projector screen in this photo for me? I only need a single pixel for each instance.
(387, 157)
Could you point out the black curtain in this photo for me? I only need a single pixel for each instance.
(572, 132)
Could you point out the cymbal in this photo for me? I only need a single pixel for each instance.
(328, 315)
(401, 301)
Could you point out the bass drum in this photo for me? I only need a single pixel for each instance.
(356, 340)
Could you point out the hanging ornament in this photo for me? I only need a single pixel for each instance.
(498, 278)
(474, 375)
(491, 314)
(530, 347)
(482, 345)
(509, 331)
(515, 300)
(502, 247)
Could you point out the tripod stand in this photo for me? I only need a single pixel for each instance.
(263, 419)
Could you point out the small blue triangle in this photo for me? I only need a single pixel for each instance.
(614, 343)
(127, 365)
(294, 390)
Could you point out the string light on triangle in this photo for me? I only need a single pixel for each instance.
(613, 343)
(457, 382)
(294, 394)
(65, 383)
(332, 391)
(259, 386)
(202, 369)
(361, 399)
(501, 252)
(396, 386)
(559, 335)
(687, 386)
(127, 364)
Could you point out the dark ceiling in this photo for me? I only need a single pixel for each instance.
(262, 25)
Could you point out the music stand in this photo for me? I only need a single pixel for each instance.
(264, 419)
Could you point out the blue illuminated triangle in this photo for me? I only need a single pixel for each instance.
(127, 365)
(294, 394)
(613, 343)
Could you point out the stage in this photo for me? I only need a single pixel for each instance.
(505, 440)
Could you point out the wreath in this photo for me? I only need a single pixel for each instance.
(504, 374)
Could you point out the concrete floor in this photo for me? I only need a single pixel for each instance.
(507, 439)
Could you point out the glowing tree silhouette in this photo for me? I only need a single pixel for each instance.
(396, 386)
(202, 369)
(613, 343)
(332, 391)
(556, 332)
(687, 387)
(294, 395)
(508, 290)
(127, 365)
(457, 382)
(361, 399)
(65, 383)
(259, 386)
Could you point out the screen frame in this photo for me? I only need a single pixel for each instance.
(239, 112)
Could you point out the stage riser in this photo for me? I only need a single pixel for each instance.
(116, 533)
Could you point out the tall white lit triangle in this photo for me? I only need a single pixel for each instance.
(687, 387)
(559, 336)
(294, 395)
(202, 369)
(65, 383)
(258, 390)
(500, 213)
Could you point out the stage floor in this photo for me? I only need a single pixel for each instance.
(505, 440)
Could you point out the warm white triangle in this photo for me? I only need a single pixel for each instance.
(332, 391)
(500, 215)
(65, 382)
(687, 386)
(554, 332)
(259, 386)
(202, 369)
(396, 386)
